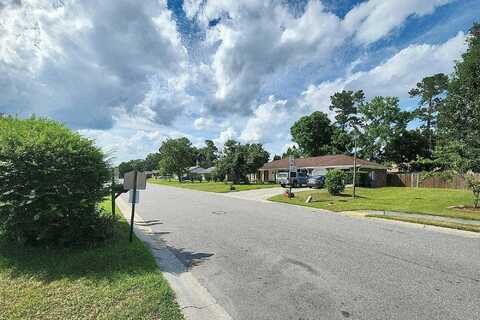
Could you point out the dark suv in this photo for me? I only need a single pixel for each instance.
(298, 179)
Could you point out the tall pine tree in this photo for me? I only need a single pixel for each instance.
(459, 115)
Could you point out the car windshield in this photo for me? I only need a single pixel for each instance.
(282, 175)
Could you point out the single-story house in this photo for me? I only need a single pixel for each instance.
(369, 173)
(200, 173)
(152, 174)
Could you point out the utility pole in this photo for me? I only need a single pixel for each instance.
(354, 163)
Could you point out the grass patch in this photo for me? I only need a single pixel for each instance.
(219, 187)
(410, 200)
(116, 280)
(445, 224)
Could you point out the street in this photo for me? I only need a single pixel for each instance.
(264, 260)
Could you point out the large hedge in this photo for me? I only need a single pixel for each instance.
(52, 180)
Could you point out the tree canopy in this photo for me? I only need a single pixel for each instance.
(430, 91)
(313, 134)
(176, 156)
(237, 160)
(459, 115)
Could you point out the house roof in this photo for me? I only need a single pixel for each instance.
(200, 170)
(330, 161)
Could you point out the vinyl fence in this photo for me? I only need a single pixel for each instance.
(414, 180)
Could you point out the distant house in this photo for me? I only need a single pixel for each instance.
(152, 174)
(371, 173)
(200, 173)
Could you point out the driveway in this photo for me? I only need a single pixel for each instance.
(260, 194)
(264, 260)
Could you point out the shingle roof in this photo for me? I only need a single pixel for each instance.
(200, 170)
(321, 161)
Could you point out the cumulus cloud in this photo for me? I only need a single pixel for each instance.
(374, 19)
(120, 65)
(77, 60)
(394, 77)
(203, 123)
(256, 39)
(269, 122)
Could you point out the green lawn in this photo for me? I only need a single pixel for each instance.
(412, 200)
(116, 280)
(444, 224)
(219, 187)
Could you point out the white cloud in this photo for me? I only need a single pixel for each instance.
(225, 135)
(257, 39)
(77, 60)
(372, 20)
(270, 122)
(394, 77)
(203, 123)
(118, 70)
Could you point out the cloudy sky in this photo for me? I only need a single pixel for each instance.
(130, 74)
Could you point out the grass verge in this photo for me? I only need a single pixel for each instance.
(444, 224)
(116, 280)
(410, 200)
(219, 187)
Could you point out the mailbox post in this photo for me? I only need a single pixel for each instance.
(134, 181)
(135, 174)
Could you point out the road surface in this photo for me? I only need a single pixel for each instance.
(274, 261)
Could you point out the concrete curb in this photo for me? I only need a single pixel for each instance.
(194, 299)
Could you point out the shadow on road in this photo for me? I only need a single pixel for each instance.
(188, 258)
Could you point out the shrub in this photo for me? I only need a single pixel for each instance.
(52, 181)
(335, 182)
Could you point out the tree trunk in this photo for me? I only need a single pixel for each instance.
(429, 125)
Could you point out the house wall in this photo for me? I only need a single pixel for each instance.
(379, 178)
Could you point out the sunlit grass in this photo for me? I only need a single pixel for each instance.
(116, 280)
(410, 200)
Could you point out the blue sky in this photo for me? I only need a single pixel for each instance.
(131, 74)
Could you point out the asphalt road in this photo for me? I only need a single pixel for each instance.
(273, 261)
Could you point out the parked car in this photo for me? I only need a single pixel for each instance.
(316, 181)
(298, 179)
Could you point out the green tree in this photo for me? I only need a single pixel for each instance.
(383, 121)
(313, 134)
(459, 115)
(257, 156)
(342, 140)
(176, 156)
(406, 146)
(430, 91)
(151, 161)
(206, 156)
(237, 160)
(127, 166)
(345, 104)
(293, 151)
(276, 157)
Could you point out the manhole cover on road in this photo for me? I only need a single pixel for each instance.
(219, 212)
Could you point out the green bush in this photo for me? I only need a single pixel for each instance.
(52, 181)
(335, 182)
(474, 185)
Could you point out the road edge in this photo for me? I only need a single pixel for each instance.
(194, 300)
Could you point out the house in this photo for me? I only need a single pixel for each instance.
(370, 173)
(152, 174)
(200, 173)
